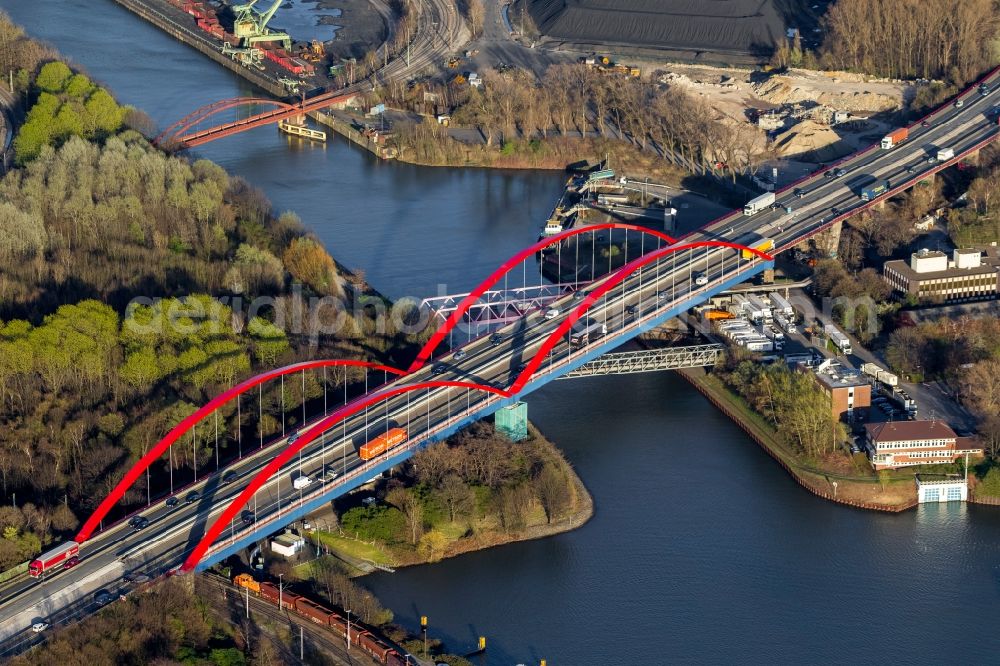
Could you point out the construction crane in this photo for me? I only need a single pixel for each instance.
(250, 25)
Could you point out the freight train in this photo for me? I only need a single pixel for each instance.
(374, 645)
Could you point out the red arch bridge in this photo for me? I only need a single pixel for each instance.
(446, 387)
(461, 375)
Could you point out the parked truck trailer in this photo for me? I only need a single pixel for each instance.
(841, 341)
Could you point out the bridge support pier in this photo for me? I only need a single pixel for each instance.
(828, 241)
(512, 421)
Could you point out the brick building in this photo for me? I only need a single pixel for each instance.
(902, 443)
(850, 394)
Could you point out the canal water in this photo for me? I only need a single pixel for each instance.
(701, 549)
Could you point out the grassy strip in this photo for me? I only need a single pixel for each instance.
(352, 548)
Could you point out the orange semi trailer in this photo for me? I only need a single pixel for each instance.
(387, 440)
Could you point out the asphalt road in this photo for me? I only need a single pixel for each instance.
(658, 288)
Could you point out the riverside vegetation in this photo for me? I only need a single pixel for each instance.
(472, 491)
(93, 217)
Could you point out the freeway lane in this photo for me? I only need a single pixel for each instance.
(949, 127)
(654, 290)
(171, 531)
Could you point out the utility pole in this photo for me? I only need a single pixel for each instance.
(247, 590)
(281, 588)
(348, 630)
(302, 645)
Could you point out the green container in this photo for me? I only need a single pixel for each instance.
(512, 421)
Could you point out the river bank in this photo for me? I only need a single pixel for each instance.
(899, 494)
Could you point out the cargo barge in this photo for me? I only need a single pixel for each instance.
(295, 129)
(197, 25)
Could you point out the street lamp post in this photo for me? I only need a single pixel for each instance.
(348, 628)
(281, 588)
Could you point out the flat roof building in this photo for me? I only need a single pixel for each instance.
(902, 443)
(932, 278)
(287, 544)
(848, 390)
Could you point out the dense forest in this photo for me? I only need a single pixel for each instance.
(127, 280)
(951, 40)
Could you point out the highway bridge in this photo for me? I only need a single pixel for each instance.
(440, 393)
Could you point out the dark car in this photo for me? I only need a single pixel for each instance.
(632, 309)
(71, 562)
(139, 522)
(496, 339)
(835, 210)
(248, 518)
(911, 169)
(925, 124)
(439, 368)
(799, 192)
(102, 597)
(192, 496)
(829, 174)
(230, 476)
(172, 501)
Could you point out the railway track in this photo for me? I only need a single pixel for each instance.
(317, 636)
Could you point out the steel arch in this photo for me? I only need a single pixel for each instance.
(216, 528)
(346, 411)
(439, 335)
(194, 419)
(175, 130)
(610, 283)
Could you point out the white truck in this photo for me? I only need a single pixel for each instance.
(301, 482)
(945, 154)
(841, 341)
(781, 304)
(760, 304)
(758, 204)
(586, 329)
(786, 324)
(759, 345)
(875, 371)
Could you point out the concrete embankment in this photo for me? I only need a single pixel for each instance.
(815, 482)
(211, 48)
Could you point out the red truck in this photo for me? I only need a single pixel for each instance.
(63, 557)
(382, 443)
(895, 137)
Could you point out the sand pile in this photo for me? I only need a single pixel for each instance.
(810, 141)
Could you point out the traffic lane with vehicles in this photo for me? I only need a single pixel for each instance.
(923, 142)
(182, 517)
(820, 202)
(741, 224)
